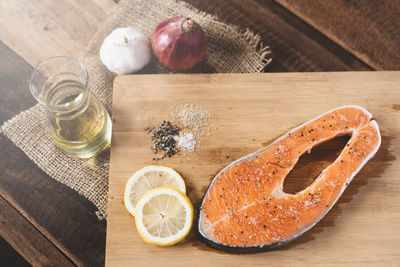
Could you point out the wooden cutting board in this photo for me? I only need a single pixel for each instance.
(248, 111)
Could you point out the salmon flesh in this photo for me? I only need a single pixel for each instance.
(245, 210)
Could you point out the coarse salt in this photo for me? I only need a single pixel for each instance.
(186, 141)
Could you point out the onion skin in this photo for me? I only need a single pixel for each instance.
(179, 43)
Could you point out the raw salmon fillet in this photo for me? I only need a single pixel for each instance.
(244, 208)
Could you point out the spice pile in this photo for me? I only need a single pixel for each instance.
(186, 141)
(163, 139)
(191, 116)
(169, 138)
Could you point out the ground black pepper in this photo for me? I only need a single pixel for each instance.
(163, 139)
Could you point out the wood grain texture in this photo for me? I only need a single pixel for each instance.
(247, 111)
(295, 45)
(10, 256)
(65, 27)
(63, 218)
(370, 30)
(37, 30)
(16, 231)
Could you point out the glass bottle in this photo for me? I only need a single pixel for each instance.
(76, 119)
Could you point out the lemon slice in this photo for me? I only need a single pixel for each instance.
(148, 178)
(164, 216)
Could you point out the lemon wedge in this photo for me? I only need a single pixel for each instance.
(148, 178)
(164, 216)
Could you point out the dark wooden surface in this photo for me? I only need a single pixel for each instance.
(10, 256)
(56, 213)
(49, 224)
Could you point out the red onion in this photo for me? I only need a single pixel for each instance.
(179, 43)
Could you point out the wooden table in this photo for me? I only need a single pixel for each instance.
(48, 223)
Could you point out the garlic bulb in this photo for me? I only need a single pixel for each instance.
(125, 51)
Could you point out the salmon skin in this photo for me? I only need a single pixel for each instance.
(245, 210)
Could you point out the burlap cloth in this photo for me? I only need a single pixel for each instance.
(229, 50)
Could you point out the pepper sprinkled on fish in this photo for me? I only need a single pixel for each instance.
(245, 210)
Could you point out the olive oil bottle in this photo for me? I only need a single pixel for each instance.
(85, 129)
(77, 121)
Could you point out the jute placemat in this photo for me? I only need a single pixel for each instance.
(229, 50)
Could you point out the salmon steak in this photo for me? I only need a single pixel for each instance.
(245, 210)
